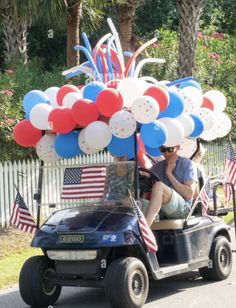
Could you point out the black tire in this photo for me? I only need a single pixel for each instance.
(34, 282)
(126, 283)
(220, 260)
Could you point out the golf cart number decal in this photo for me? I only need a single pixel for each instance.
(71, 238)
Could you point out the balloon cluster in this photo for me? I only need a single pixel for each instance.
(105, 113)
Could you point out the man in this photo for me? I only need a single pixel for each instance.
(174, 192)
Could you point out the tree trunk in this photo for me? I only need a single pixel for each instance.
(73, 31)
(15, 34)
(190, 13)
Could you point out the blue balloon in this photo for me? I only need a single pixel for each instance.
(153, 134)
(67, 146)
(92, 89)
(198, 126)
(33, 98)
(121, 146)
(190, 83)
(153, 151)
(175, 107)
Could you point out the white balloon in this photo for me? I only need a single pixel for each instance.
(187, 122)
(52, 94)
(193, 99)
(175, 131)
(130, 89)
(217, 98)
(207, 117)
(70, 98)
(45, 149)
(122, 124)
(87, 149)
(145, 109)
(187, 147)
(98, 135)
(39, 116)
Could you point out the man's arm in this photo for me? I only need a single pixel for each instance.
(186, 189)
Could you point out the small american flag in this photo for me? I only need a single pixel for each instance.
(146, 232)
(205, 195)
(21, 217)
(230, 172)
(85, 182)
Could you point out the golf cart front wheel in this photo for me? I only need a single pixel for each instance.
(127, 283)
(220, 260)
(35, 282)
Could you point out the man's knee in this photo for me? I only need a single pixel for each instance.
(158, 186)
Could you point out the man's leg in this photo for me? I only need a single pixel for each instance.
(161, 194)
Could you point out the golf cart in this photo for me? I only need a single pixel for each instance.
(97, 242)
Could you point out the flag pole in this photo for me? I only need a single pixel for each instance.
(37, 196)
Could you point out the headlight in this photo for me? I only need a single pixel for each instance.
(72, 255)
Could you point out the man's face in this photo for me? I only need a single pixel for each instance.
(168, 151)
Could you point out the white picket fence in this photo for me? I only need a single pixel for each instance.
(24, 175)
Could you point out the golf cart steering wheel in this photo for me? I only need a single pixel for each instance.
(146, 182)
(152, 174)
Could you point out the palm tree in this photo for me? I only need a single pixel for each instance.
(190, 13)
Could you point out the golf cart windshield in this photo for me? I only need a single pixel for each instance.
(93, 184)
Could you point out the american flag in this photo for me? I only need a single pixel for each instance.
(230, 172)
(146, 232)
(21, 217)
(85, 182)
(205, 195)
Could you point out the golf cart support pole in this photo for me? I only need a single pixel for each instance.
(37, 196)
(136, 173)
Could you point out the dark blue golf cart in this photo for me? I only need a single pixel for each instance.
(98, 243)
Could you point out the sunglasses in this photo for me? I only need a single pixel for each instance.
(164, 150)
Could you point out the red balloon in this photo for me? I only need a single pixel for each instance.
(113, 83)
(61, 120)
(109, 101)
(207, 103)
(65, 90)
(84, 111)
(160, 94)
(25, 134)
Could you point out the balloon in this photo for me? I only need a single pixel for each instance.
(153, 151)
(87, 149)
(207, 103)
(65, 90)
(187, 148)
(67, 146)
(109, 101)
(129, 89)
(45, 149)
(160, 94)
(52, 94)
(121, 146)
(61, 120)
(97, 135)
(84, 112)
(193, 99)
(190, 83)
(187, 122)
(145, 109)
(175, 107)
(175, 131)
(113, 83)
(25, 134)
(70, 98)
(153, 134)
(217, 98)
(122, 124)
(207, 117)
(33, 98)
(92, 89)
(39, 116)
(198, 126)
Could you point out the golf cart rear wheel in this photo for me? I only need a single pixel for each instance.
(35, 282)
(220, 260)
(127, 283)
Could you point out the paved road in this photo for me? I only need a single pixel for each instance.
(185, 291)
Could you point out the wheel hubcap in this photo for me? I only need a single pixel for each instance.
(47, 285)
(224, 258)
(137, 283)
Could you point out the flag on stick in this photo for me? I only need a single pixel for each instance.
(21, 217)
(229, 172)
(146, 232)
(204, 195)
(85, 182)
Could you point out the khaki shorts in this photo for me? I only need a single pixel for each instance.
(177, 207)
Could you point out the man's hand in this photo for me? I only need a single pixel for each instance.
(171, 164)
